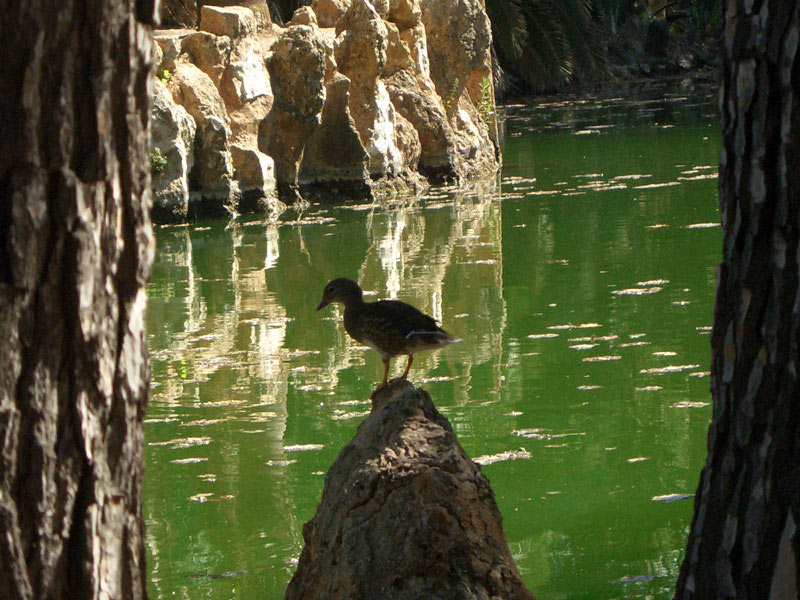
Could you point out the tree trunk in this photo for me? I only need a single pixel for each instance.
(743, 542)
(76, 248)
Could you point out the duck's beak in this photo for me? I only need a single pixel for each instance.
(323, 304)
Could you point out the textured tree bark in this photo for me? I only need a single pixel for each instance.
(76, 248)
(743, 542)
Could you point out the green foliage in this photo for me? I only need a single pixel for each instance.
(451, 99)
(157, 161)
(704, 15)
(549, 43)
(485, 106)
(546, 44)
(165, 75)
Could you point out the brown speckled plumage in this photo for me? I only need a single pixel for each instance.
(389, 326)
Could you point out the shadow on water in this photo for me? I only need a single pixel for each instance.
(582, 285)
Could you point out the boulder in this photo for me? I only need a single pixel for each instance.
(297, 71)
(192, 88)
(232, 21)
(172, 142)
(254, 170)
(417, 44)
(381, 7)
(404, 13)
(334, 154)
(260, 9)
(474, 146)
(416, 100)
(208, 52)
(304, 16)
(405, 514)
(398, 54)
(246, 77)
(169, 41)
(458, 39)
(361, 55)
(329, 11)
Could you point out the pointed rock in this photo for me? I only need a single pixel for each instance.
(405, 514)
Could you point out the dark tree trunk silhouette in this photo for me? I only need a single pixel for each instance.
(744, 542)
(76, 248)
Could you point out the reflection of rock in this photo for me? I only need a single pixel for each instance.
(405, 514)
(415, 257)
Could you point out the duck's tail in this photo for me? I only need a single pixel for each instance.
(440, 336)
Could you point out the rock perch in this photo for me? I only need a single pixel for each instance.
(405, 514)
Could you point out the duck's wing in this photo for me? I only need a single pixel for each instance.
(410, 327)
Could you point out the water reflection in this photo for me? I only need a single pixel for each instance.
(233, 333)
(582, 286)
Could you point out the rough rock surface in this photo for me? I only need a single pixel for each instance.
(405, 514)
(208, 52)
(198, 95)
(334, 156)
(304, 16)
(328, 11)
(297, 68)
(459, 36)
(230, 21)
(361, 55)
(173, 132)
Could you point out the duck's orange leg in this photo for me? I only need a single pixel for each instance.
(408, 368)
(384, 383)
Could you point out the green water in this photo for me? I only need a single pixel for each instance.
(582, 286)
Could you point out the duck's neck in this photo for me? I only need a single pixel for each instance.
(354, 303)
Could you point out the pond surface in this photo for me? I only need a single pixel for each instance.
(582, 285)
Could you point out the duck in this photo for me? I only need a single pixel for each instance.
(390, 327)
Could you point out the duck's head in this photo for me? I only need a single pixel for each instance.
(340, 290)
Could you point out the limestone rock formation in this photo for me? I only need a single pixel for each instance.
(297, 68)
(405, 514)
(334, 159)
(354, 98)
(459, 36)
(173, 134)
(207, 52)
(200, 97)
(304, 16)
(231, 21)
(328, 11)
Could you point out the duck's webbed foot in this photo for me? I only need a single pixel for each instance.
(380, 388)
